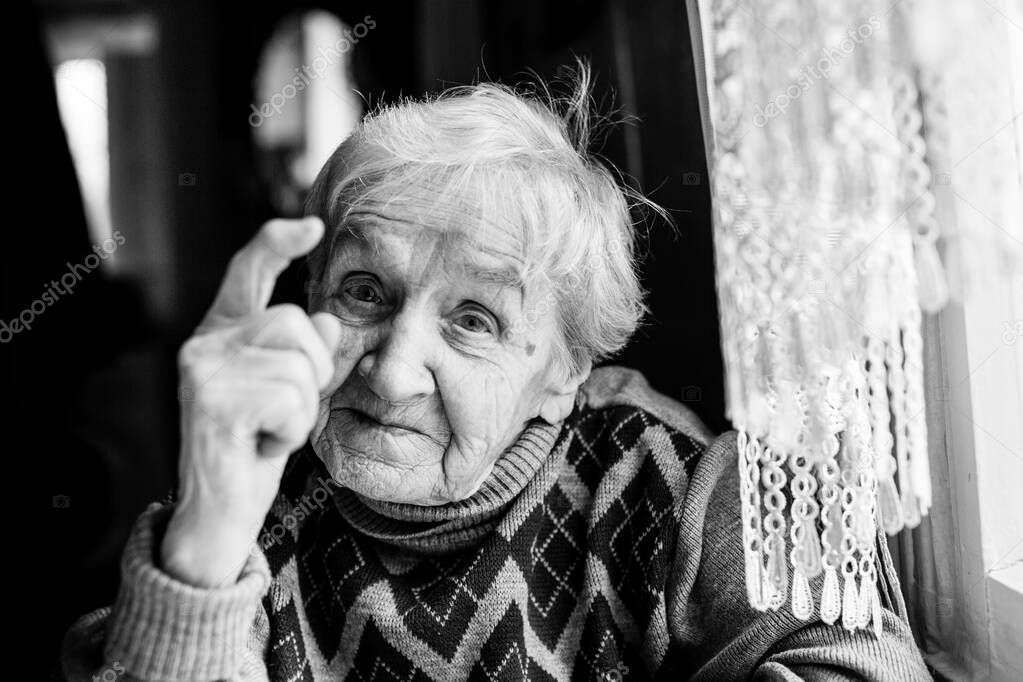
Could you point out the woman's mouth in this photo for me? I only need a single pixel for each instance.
(388, 427)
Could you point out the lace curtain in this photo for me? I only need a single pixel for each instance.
(841, 152)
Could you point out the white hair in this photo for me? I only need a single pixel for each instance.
(512, 156)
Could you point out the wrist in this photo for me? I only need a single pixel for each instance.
(205, 553)
(154, 610)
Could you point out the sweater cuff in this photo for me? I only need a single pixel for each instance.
(164, 629)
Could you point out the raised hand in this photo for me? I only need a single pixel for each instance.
(250, 379)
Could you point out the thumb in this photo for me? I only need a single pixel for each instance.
(329, 329)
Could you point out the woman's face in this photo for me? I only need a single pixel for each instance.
(444, 357)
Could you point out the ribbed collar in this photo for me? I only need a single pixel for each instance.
(449, 527)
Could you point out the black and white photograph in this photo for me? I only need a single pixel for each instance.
(541, 340)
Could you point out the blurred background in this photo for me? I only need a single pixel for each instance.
(159, 138)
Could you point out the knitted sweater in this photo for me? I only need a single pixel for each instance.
(608, 547)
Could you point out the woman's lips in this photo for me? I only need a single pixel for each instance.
(394, 428)
(369, 420)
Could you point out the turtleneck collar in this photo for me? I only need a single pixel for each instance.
(454, 526)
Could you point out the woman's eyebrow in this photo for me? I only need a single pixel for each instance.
(505, 277)
(357, 233)
(501, 278)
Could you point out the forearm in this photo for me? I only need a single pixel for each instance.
(821, 652)
(712, 621)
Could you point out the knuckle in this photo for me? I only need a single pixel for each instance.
(203, 354)
(192, 358)
(189, 351)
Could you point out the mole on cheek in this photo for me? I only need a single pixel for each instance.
(530, 348)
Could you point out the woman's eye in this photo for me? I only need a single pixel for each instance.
(363, 291)
(474, 323)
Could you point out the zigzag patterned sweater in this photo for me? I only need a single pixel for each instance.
(607, 548)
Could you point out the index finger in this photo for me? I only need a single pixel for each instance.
(254, 269)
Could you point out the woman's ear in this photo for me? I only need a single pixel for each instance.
(559, 398)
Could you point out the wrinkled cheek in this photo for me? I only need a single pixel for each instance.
(481, 415)
(355, 342)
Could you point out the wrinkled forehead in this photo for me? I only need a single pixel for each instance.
(432, 221)
(415, 249)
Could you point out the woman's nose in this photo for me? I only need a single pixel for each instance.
(396, 368)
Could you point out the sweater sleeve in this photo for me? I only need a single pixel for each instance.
(162, 629)
(712, 622)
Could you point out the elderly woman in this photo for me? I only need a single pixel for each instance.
(473, 502)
